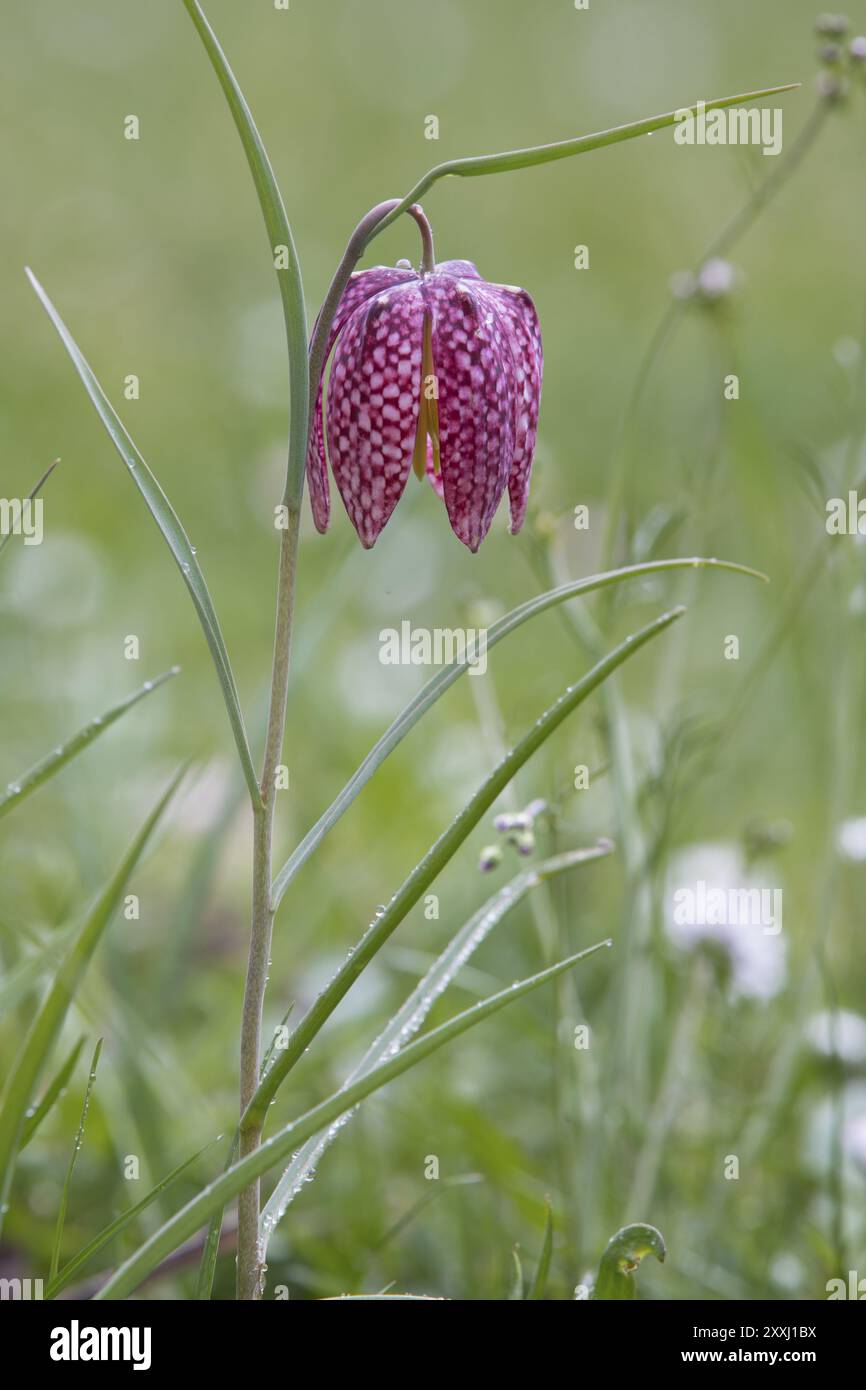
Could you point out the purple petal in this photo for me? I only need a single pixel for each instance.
(373, 404)
(524, 335)
(474, 374)
(459, 270)
(362, 285)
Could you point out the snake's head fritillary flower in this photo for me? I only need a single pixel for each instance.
(437, 371)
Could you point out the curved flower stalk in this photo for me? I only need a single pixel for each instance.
(436, 370)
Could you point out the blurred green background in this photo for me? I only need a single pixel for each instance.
(154, 253)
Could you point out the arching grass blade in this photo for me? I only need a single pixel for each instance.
(105, 1236)
(411, 1015)
(53, 1093)
(172, 532)
(76, 1149)
(218, 1193)
(28, 1066)
(29, 781)
(435, 860)
(447, 675)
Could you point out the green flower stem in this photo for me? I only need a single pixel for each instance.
(249, 1263)
(428, 258)
(352, 254)
(380, 217)
(294, 313)
(562, 149)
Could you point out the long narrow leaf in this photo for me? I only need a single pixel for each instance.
(73, 1157)
(279, 235)
(508, 160)
(539, 1283)
(410, 1016)
(99, 1241)
(29, 781)
(52, 1094)
(435, 860)
(27, 1069)
(221, 1191)
(447, 675)
(34, 492)
(172, 532)
(22, 980)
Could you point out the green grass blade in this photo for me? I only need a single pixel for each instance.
(440, 1188)
(447, 675)
(621, 1258)
(34, 492)
(210, 1253)
(52, 1094)
(539, 1283)
(279, 234)
(563, 149)
(99, 1241)
(435, 860)
(76, 1149)
(19, 984)
(221, 1191)
(515, 1291)
(28, 1066)
(172, 532)
(18, 790)
(272, 1045)
(411, 1015)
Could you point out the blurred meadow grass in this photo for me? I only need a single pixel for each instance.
(154, 254)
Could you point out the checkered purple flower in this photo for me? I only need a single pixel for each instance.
(439, 371)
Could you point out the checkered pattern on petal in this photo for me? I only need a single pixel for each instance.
(474, 372)
(458, 270)
(373, 403)
(361, 287)
(524, 339)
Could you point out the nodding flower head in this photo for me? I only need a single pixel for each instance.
(434, 370)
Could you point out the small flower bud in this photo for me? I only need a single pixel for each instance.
(524, 843)
(508, 822)
(831, 54)
(857, 49)
(490, 858)
(535, 808)
(831, 88)
(716, 278)
(831, 26)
